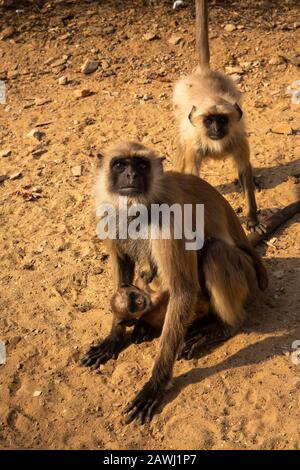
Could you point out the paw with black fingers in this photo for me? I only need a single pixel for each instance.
(257, 183)
(142, 331)
(253, 225)
(103, 352)
(144, 405)
(192, 346)
(197, 345)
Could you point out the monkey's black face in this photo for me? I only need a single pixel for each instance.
(216, 126)
(129, 304)
(137, 302)
(130, 176)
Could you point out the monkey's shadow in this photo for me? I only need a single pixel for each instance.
(268, 313)
(267, 177)
(252, 354)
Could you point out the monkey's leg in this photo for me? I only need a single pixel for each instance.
(123, 270)
(246, 179)
(179, 161)
(187, 159)
(229, 275)
(108, 349)
(198, 344)
(192, 162)
(242, 160)
(146, 402)
(142, 332)
(181, 279)
(261, 272)
(257, 183)
(199, 324)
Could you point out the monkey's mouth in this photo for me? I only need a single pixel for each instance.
(217, 136)
(126, 190)
(137, 307)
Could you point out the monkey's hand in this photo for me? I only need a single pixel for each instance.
(192, 346)
(142, 331)
(109, 348)
(146, 402)
(197, 345)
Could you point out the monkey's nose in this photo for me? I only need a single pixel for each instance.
(131, 176)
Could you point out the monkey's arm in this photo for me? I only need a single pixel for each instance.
(123, 269)
(157, 314)
(150, 325)
(179, 270)
(241, 154)
(274, 221)
(108, 349)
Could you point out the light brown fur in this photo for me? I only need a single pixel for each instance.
(152, 312)
(202, 94)
(229, 272)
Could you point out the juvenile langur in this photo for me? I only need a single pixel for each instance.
(230, 274)
(140, 306)
(209, 118)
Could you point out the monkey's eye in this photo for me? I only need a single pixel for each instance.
(223, 120)
(132, 296)
(143, 165)
(119, 166)
(208, 121)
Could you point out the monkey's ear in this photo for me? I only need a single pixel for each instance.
(240, 112)
(190, 116)
(100, 158)
(160, 165)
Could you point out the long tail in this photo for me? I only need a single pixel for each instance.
(202, 33)
(274, 221)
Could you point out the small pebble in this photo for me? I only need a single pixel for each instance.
(76, 170)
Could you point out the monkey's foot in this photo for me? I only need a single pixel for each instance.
(142, 331)
(144, 405)
(96, 355)
(195, 346)
(253, 225)
(257, 183)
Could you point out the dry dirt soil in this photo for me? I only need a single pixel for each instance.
(55, 274)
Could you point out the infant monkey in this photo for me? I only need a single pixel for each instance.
(139, 306)
(145, 309)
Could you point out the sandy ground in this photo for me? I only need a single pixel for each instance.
(55, 276)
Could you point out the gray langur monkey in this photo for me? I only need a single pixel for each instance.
(230, 266)
(210, 120)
